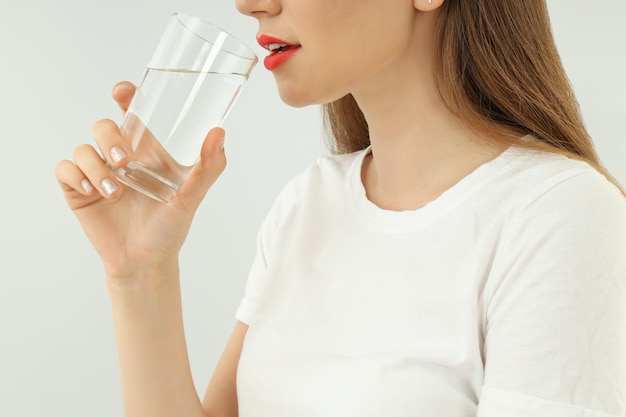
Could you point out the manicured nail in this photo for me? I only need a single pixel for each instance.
(122, 87)
(109, 186)
(86, 185)
(117, 154)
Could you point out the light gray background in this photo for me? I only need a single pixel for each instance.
(59, 60)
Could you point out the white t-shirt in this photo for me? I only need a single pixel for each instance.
(504, 297)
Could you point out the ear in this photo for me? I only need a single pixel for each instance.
(427, 5)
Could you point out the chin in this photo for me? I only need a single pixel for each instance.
(294, 99)
(296, 96)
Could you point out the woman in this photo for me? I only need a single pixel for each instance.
(462, 254)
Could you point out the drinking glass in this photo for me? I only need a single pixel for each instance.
(189, 86)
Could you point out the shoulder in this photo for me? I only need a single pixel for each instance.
(555, 294)
(545, 181)
(327, 174)
(324, 183)
(562, 215)
(330, 168)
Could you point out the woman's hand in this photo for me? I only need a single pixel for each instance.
(132, 232)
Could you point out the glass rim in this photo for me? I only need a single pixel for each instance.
(183, 19)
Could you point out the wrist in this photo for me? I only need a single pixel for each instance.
(150, 299)
(144, 279)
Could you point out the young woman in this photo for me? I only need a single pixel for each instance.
(462, 253)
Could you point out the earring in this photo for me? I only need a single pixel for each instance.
(430, 1)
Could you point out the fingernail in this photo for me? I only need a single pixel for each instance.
(222, 143)
(86, 185)
(122, 87)
(117, 154)
(109, 186)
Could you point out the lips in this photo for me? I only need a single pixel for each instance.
(280, 50)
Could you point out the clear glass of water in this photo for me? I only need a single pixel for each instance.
(189, 86)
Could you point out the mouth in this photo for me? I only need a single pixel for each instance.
(279, 50)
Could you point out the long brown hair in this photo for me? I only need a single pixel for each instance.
(498, 69)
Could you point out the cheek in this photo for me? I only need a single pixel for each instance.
(339, 57)
(320, 77)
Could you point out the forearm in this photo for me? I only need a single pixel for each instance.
(154, 366)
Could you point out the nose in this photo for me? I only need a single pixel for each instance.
(256, 8)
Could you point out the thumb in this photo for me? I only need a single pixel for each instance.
(207, 170)
(123, 93)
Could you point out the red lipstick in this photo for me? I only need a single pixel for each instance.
(280, 50)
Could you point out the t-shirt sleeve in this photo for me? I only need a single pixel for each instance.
(555, 329)
(257, 277)
(258, 283)
(502, 403)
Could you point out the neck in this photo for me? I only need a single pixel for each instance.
(419, 148)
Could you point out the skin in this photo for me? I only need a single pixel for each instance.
(419, 150)
(139, 240)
